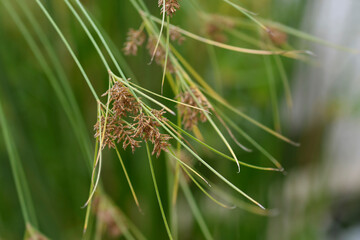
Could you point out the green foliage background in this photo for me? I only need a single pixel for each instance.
(55, 168)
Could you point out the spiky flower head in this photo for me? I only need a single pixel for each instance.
(192, 116)
(135, 38)
(112, 128)
(170, 6)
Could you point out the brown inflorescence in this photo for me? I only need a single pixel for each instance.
(142, 128)
(159, 55)
(191, 116)
(215, 33)
(170, 6)
(122, 100)
(277, 37)
(215, 28)
(148, 129)
(175, 35)
(135, 38)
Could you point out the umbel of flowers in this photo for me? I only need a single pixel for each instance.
(126, 123)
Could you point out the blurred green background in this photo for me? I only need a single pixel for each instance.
(317, 198)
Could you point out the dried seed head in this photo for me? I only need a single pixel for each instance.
(108, 136)
(147, 128)
(277, 37)
(175, 35)
(123, 102)
(159, 114)
(170, 6)
(115, 132)
(215, 33)
(159, 54)
(125, 133)
(190, 115)
(215, 27)
(161, 144)
(135, 38)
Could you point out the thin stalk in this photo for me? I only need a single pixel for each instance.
(128, 179)
(195, 210)
(169, 99)
(290, 54)
(166, 53)
(212, 124)
(222, 154)
(98, 160)
(102, 39)
(161, 30)
(285, 80)
(204, 162)
(57, 29)
(66, 95)
(172, 207)
(86, 30)
(187, 166)
(88, 209)
(203, 190)
(273, 94)
(157, 193)
(252, 141)
(248, 14)
(211, 93)
(308, 37)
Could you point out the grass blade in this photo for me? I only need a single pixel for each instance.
(248, 14)
(57, 29)
(128, 179)
(195, 210)
(204, 162)
(157, 192)
(222, 154)
(273, 94)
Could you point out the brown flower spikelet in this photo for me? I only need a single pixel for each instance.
(175, 35)
(123, 101)
(144, 127)
(190, 115)
(108, 137)
(135, 38)
(215, 28)
(170, 6)
(277, 37)
(159, 54)
(215, 33)
(147, 129)
(116, 131)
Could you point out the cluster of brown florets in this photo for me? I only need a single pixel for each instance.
(175, 35)
(136, 38)
(192, 116)
(215, 28)
(159, 55)
(277, 37)
(139, 127)
(170, 6)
